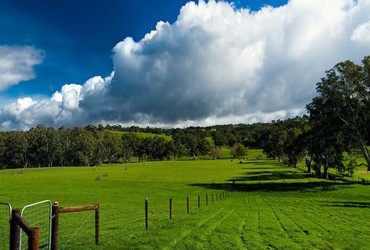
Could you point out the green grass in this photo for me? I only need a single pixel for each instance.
(269, 206)
(142, 134)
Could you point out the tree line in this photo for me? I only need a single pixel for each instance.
(334, 134)
(91, 146)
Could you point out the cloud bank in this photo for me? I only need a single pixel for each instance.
(214, 64)
(17, 63)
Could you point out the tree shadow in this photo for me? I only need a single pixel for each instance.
(275, 186)
(347, 204)
(270, 176)
(260, 163)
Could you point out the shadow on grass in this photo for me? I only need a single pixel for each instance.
(261, 163)
(349, 204)
(271, 176)
(275, 186)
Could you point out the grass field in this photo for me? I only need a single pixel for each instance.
(141, 134)
(268, 206)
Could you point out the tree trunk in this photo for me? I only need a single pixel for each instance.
(366, 154)
(325, 174)
(308, 165)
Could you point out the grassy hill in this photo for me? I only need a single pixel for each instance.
(141, 134)
(268, 205)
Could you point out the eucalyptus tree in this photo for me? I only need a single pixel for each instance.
(342, 106)
(130, 144)
(112, 146)
(16, 150)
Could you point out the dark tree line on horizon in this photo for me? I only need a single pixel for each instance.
(334, 134)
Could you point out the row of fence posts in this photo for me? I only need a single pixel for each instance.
(33, 233)
(217, 197)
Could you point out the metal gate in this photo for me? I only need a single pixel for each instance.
(5, 217)
(39, 215)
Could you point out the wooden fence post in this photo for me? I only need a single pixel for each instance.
(33, 233)
(34, 239)
(14, 231)
(146, 213)
(206, 199)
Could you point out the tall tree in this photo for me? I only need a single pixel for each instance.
(343, 101)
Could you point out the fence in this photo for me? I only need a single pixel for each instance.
(57, 210)
(38, 215)
(5, 218)
(84, 232)
(32, 227)
(33, 233)
(222, 195)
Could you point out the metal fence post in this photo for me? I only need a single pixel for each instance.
(170, 208)
(146, 213)
(187, 204)
(55, 226)
(97, 223)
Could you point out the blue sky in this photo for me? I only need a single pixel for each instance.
(77, 37)
(170, 63)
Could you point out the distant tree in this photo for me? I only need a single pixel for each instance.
(82, 147)
(218, 138)
(216, 152)
(16, 150)
(130, 144)
(112, 147)
(65, 155)
(171, 149)
(44, 146)
(155, 148)
(2, 150)
(181, 150)
(239, 151)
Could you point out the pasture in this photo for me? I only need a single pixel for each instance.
(268, 205)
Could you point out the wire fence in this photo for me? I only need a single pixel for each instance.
(121, 225)
(76, 230)
(38, 215)
(5, 217)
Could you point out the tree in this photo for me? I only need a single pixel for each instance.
(218, 138)
(239, 151)
(2, 149)
(82, 147)
(343, 101)
(216, 152)
(112, 146)
(44, 146)
(130, 143)
(15, 155)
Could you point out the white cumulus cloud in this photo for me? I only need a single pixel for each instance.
(17, 63)
(214, 64)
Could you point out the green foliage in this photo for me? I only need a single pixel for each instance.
(238, 151)
(340, 111)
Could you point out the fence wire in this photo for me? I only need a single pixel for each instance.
(76, 230)
(5, 217)
(38, 215)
